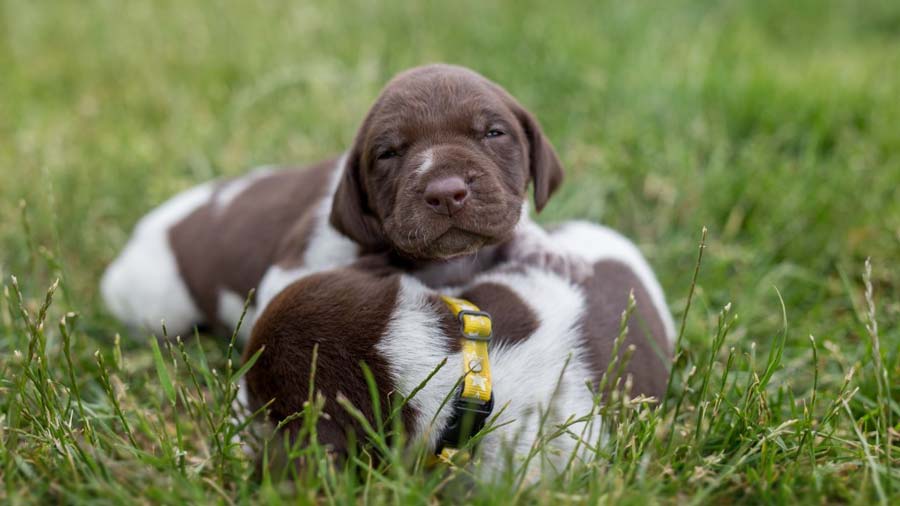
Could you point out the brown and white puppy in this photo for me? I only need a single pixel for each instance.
(437, 175)
(552, 338)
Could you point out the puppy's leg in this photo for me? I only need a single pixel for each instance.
(143, 287)
(617, 268)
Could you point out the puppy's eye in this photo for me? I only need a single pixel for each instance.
(388, 154)
(494, 133)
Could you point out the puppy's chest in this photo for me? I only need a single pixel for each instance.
(536, 357)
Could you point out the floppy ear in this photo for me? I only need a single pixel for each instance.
(350, 212)
(544, 166)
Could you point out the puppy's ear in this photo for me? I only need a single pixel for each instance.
(350, 212)
(544, 166)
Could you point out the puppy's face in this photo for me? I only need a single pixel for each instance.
(441, 165)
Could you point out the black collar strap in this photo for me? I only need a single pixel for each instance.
(467, 419)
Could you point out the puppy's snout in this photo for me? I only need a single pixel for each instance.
(446, 195)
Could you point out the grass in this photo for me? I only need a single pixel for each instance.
(774, 124)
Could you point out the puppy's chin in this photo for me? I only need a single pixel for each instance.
(451, 244)
(455, 243)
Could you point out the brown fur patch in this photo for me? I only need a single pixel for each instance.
(345, 312)
(513, 321)
(607, 297)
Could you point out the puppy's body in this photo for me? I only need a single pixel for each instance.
(552, 337)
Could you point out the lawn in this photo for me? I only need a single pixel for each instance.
(775, 125)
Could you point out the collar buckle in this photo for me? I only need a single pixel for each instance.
(478, 328)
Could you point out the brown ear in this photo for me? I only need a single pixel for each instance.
(543, 164)
(350, 212)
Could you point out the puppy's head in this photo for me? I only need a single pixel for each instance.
(441, 165)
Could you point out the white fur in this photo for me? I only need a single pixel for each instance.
(595, 243)
(528, 377)
(327, 249)
(427, 162)
(143, 287)
(231, 306)
(413, 346)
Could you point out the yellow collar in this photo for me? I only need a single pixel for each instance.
(474, 401)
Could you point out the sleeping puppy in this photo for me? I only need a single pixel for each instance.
(436, 178)
(551, 338)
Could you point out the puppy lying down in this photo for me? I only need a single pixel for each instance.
(356, 255)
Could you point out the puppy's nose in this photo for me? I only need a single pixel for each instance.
(446, 195)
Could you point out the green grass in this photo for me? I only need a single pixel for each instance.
(774, 124)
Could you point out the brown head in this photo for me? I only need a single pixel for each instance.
(441, 166)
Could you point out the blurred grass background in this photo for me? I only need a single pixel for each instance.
(775, 124)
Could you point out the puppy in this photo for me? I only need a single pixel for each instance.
(552, 342)
(436, 177)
